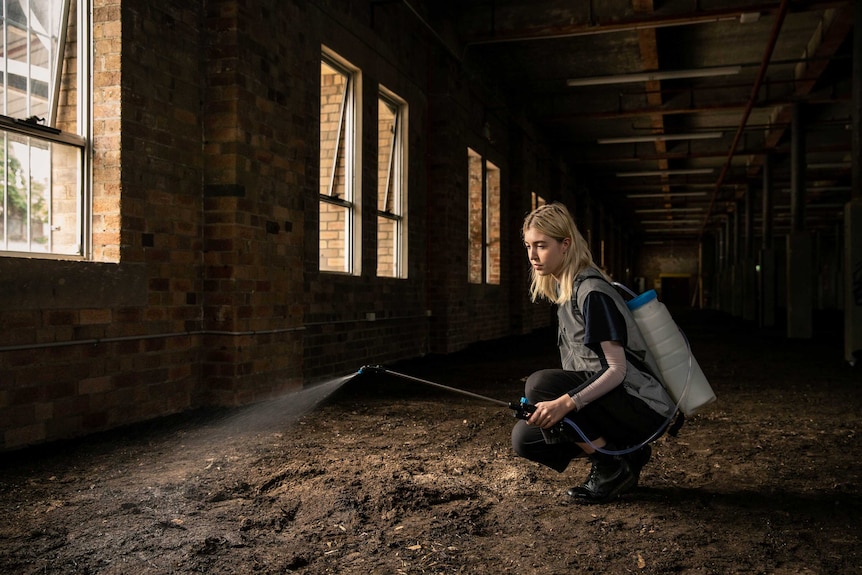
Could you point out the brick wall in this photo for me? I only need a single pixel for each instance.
(107, 105)
(258, 138)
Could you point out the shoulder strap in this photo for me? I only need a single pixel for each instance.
(585, 274)
(632, 356)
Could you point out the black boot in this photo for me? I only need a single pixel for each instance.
(610, 477)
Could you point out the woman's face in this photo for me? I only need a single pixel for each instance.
(547, 254)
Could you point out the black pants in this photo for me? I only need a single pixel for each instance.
(619, 417)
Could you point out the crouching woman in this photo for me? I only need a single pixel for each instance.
(606, 386)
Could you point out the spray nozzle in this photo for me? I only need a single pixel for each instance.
(372, 369)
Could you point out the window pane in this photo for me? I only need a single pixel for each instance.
(536, 200)
(391, 154)
(386, 116)
(336, 168)
(30, 57)
(492, 232)
(387, 244)
(40, 77)
(334, 234)
(475, 211)
(333, 123)
(16, 100)
(40, 210)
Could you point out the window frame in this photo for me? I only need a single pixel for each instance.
(492, 233)
(474, 245)
(396, 183)
(350, 130)
(45, 134)
(480, 242)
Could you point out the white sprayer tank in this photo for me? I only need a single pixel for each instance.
(682, 376)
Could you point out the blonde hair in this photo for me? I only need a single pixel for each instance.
(555, 221)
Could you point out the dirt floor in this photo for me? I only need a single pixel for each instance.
(387, 476)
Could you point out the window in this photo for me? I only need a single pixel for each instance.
(474, 239)
(44, 207)
(483, 250)
(339, 157)
(536, 200)
(492, 223)
(391, 177)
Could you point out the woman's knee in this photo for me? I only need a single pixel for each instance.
(523, 436)
(539, 382)
(529, 442)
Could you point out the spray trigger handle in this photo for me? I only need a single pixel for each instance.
(523, 409)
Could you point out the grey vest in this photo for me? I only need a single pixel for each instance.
(640, 380)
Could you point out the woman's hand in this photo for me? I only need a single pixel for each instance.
(549, 413)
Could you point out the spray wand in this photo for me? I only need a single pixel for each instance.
(521, 409)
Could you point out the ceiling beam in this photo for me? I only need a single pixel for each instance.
(713, 108)
(590, 27)
(761, 151)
